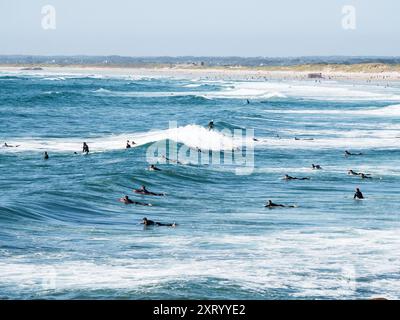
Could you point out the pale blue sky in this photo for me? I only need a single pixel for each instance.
(204, 27)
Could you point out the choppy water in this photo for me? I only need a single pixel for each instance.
(63, 234)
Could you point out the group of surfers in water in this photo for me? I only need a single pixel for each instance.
(357, 195)
(143, 190)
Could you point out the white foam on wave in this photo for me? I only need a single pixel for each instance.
(193, 136)
(62, 76)
(330, 263)
(238, 94)
(350, 143)
(328, 91)
(388, 111)
(268, 90)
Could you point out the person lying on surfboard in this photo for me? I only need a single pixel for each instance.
(287, 177)
(5, 145)
(144, 191)
(126, 200)
(271, 205)
(154, 168)
(147, 222)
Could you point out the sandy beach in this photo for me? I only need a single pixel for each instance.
(359, 73)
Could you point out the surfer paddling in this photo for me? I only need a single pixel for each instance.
(287, 178)
(126, 200)
(143, 190)
(147, 222)
(272, 205)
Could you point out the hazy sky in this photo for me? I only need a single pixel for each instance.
(203, 27)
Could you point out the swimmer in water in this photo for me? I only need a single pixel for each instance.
(362, 175)
(154, 168)
(5, 145)
(127, 144)
(143, 190)
(248, 102)
(171, 160)
(347, 154)
(46, 156)
(316, 167)
(352, 173)
(147, 222)
(358, 194)
(126, 200)
(211, 125)
(271, 205)
(306, 139)
(287, 177)
(85, 148)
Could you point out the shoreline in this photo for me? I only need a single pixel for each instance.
(383, 73)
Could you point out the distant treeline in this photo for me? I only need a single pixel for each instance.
(197, 61)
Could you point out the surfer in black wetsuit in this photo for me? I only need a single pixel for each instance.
(147, 222)
(154, 168)
(127, 144)
(271, 205)
(85, 148)
(365, 176)
(171, 160)
(347, 154)
(248, 102)
(143, 190)
(287, 177)
(126, 200)
(46, 156)
(5, 145)
(358, 194)
(352, 173)
(211, 125)
(316, 166)
(306, 139)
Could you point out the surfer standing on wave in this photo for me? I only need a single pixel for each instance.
(85, 148)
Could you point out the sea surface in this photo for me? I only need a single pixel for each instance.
(65, 235)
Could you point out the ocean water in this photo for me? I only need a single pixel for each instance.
(64, 235)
